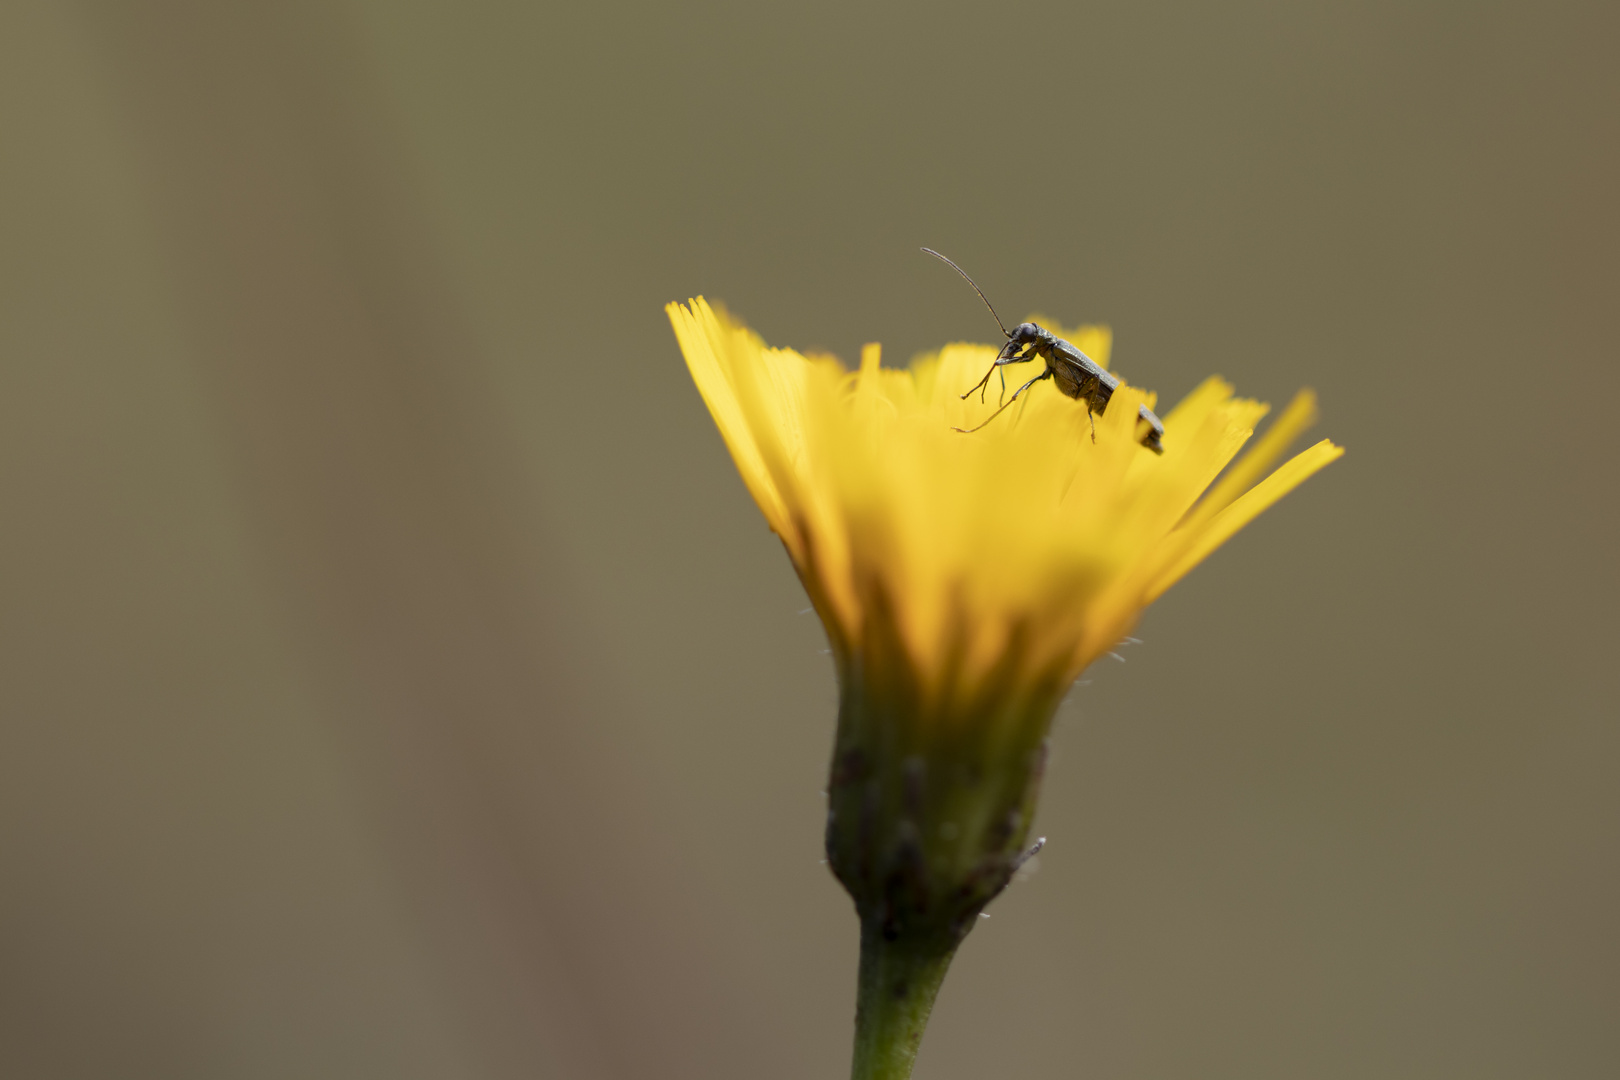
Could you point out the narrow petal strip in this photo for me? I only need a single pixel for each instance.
(1259, 498)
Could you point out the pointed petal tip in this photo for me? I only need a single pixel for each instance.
(1210, 534)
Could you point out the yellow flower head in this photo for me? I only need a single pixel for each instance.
(1020, 552)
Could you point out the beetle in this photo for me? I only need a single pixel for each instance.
(1076, 374)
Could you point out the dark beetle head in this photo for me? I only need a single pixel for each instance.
(1023, 334)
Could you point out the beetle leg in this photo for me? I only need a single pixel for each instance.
(1028, 355)
(1022, 358)
(1047, 374)
(984, 383)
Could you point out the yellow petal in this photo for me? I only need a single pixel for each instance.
(1300, 415)
(1245, 509)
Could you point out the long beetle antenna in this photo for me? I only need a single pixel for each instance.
(976, 289)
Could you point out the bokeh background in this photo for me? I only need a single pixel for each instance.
(397, 681)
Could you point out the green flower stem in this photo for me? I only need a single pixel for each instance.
(929, 801)
(899, 980)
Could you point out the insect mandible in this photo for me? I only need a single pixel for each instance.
(1076, 374)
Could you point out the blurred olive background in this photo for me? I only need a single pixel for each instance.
(397, 681)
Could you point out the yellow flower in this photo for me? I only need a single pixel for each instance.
(1027, 535)
(964, 581)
